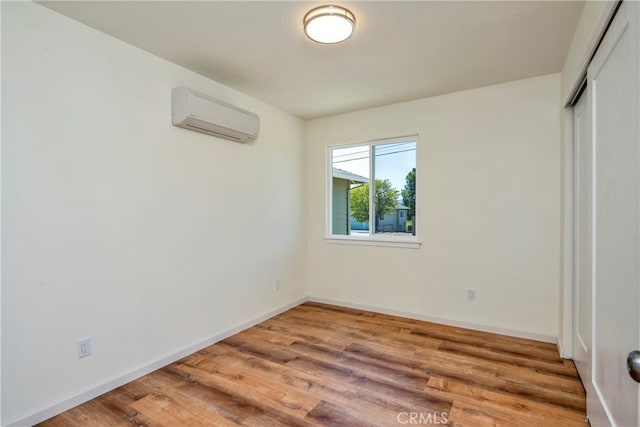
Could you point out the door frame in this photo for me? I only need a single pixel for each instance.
(565, 336)
(565, 340)
(597, 412)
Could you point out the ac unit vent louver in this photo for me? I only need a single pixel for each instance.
(201, 113)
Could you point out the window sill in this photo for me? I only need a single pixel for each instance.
(373, 242)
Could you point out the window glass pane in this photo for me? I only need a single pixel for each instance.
(350, 175)
(394, 195)
(373, 189)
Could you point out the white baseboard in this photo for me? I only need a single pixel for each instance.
(466, 325)
(562, 352)
(116, 381)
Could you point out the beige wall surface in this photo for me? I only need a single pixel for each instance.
(119, 226)
(488, 209)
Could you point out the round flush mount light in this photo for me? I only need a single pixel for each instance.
(329, 24)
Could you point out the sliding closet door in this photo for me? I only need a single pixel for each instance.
(614, 95)
(583, 244)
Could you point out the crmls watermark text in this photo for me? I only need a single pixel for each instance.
(422, 418)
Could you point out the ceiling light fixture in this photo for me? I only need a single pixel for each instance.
(329, 24)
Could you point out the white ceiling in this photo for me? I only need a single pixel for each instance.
(400, 50)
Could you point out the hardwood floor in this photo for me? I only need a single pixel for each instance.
(321, 365)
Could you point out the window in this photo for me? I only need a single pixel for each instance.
(373, 191)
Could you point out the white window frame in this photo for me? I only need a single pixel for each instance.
(373, 239)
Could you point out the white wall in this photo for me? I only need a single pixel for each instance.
(151, 238)
(116, 225)
(489, 209)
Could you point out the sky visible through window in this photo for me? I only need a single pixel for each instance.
(393, 161)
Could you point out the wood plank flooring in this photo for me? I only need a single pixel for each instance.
(322, 365)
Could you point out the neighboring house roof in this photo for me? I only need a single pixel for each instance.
(349, 176)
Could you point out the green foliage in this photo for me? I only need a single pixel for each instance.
(385, 201)
(409, 193)
(359, 199)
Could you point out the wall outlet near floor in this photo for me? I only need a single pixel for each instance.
(84, 347)
(471, 294)
(278, 284)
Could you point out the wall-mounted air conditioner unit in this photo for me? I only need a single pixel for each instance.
(201, 113)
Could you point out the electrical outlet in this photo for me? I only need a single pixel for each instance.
(278, 285)
(471, 294)
(84, 347)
